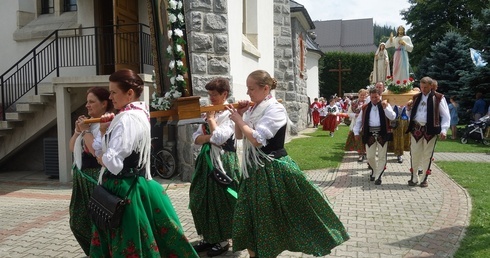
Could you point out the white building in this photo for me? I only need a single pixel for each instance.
(224, 38)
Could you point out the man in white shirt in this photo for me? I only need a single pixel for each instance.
(376, 132)
(429, 116)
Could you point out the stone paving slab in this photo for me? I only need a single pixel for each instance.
(390, 220)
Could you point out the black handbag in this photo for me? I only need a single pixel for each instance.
(221, 177)
(106, 209)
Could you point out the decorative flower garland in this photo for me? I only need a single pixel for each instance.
(175, 53)
(399, 87)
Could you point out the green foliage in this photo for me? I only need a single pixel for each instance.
(382, 33)
(447, 62)
(360, 65)
(430, 20)
(474, 177)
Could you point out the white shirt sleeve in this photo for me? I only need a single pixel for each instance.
(389, 112)
(197, 133)
(357, 127)
(274, 118)
(445, 117)
(115, 153)
(225, 129)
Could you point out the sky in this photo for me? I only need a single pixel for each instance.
(383, 12)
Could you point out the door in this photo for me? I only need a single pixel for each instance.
(126, 36)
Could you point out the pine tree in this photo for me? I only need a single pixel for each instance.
(448, 61)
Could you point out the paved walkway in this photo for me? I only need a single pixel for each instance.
(390, 220)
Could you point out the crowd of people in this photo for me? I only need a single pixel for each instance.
(266, 205)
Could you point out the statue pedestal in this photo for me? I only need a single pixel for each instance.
(399, 99)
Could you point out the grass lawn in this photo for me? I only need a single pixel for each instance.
(475, 178)
(472, 146)
(322, 151)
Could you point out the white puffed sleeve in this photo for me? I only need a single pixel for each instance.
(274, 118)
(117, 148)
(225, 129)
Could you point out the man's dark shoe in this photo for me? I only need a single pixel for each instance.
(400, 159)
(378, 181)
(411, 183)
(424, 184)
(217, 250)
(202, 246)
(371, 178)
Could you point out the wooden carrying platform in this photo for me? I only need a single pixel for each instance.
(399, 99)
(185, 110)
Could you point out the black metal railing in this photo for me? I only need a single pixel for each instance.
(101, 47)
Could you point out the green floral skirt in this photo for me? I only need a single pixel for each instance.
(80, 223)
(279, 209)
(211, 205)
(150, 227)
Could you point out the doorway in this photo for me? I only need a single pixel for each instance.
(117, 36)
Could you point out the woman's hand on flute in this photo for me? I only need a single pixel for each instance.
(242, 106)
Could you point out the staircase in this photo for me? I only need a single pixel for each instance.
(33, 116)
(28, 100)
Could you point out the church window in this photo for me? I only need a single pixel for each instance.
(250, 27)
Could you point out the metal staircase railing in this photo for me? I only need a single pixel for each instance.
(90, 46)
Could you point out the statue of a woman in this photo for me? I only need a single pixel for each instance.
(402, 44)
(381, 67)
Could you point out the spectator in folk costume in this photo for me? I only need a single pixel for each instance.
(315, 112)
(429, 116)
(353, 112)
(375, 126)
(211, 205)
(331, 121)
(323, 110)
(401, 140)
(278, 208)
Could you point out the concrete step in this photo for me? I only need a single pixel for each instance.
(28, 108)
(16, 116)
(38, 99)
(45, 89)
(6, 128)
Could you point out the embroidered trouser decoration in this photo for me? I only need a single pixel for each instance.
(421, 153)
(379, 146)
(419, 132)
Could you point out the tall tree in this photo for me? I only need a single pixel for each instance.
(448, 61)
(430, 20)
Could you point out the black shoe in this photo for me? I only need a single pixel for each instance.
(378, 181)
(420, 172)
(411, 183)
(400, 159)
(202, 246)
(217, 250)
(360, 159)
(371, 178)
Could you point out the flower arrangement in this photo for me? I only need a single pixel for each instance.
(176, 54)
(399, 87)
